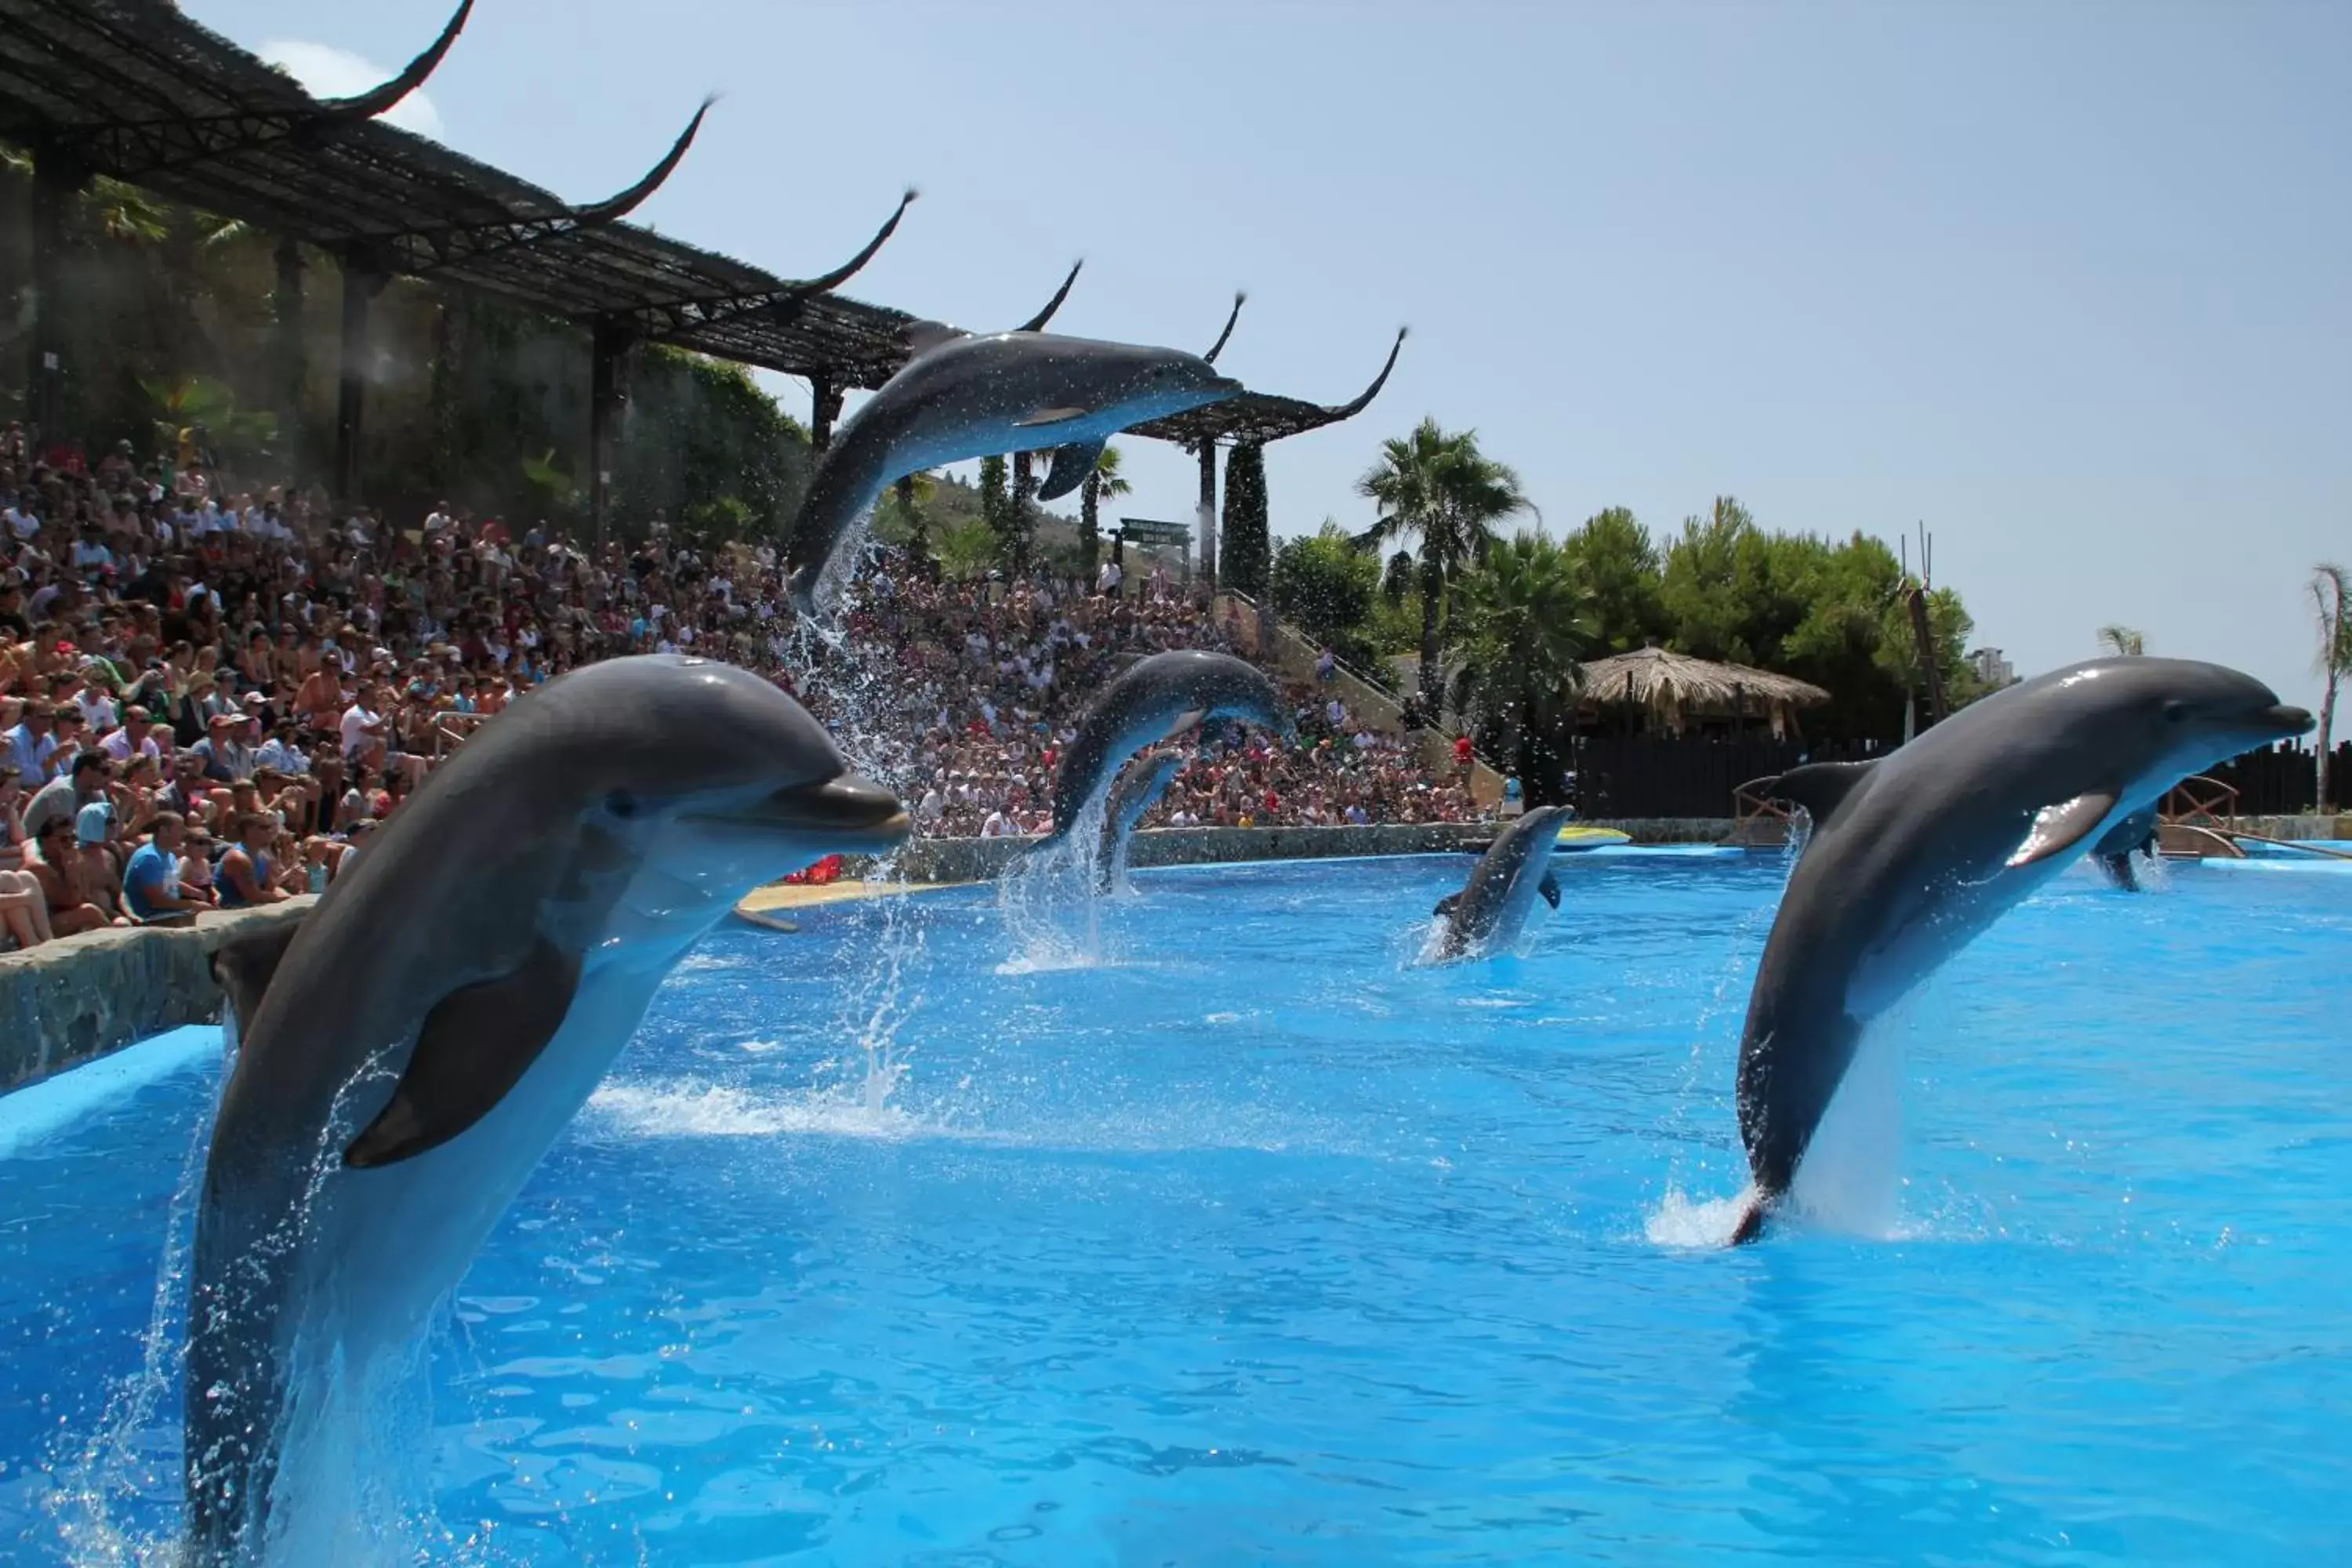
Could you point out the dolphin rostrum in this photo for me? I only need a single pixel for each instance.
(1914, 854)
(963, 396)
(1157, 699)
(1143, 781)
(2133, 837)
(432, 1024)
(1487, 914)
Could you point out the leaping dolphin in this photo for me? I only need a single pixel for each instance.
(1157, 699)
(1142, 782)
(1492, 906)
(2133, 837)
(963, 396)
(436, 1019)
(1914, 854)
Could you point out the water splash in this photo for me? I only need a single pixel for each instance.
(1684, 1222)
(130, 1465)
(1052, 904)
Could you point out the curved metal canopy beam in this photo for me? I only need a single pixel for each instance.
(1364, 399)
(1036, 323)
(622, 203)
(851, 268)
(1219, 346)
(376, 100)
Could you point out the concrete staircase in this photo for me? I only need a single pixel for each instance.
(1266, 639)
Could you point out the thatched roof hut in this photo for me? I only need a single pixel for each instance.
(1676, 692)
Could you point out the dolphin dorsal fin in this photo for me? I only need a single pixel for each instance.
(245, 963)
(1072, 464)
(922, 337)
(1820, 787)
(2058, 828)
(475, 1046)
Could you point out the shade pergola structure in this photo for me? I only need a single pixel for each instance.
(1252, 419)
(133, 90)
(1674, 689)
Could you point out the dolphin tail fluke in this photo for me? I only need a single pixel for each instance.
(1751, 1222)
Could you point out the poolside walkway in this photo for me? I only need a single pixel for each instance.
(765, 900)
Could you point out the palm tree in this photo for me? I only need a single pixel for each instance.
(1524, 616)
(1103, 482)
(1437, 487)
(913, 492)
(2123, 641)
(2330, 586)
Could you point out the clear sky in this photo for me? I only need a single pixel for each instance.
(2072, 284)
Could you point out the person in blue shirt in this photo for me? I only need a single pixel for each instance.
(246, 874)
(29, 745)
(152, 893)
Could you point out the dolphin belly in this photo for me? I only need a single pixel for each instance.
(379, 1250)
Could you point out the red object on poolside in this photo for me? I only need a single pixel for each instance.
(825, 870)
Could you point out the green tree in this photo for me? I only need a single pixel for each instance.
(1248, 544)
(996, 499)
(1324, 587)
(2330, 585)
(1437, 487)
(1103, 482)
(1617, 564)
(1524, 619)
(1007, 513)
(2123, 641)
(1730, 591)
(969, 549)
(913, 493)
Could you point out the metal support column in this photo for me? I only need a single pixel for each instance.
(1208, 513)
(362, 284)
(608, 398)
(285, 311)
(55, 180)
(824, 407)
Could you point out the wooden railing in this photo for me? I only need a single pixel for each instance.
(1758, 820)
(2201, 801)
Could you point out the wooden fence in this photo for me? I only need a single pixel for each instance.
(2282, 779)
(1640, 776)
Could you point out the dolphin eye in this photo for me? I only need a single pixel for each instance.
(621, 803)
(2176, 712)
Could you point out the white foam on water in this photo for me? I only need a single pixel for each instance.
(1685, 1222)
(1848, 1180)
(637, 1111)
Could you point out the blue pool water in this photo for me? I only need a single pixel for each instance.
(1259, 1245)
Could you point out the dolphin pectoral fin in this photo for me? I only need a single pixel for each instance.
(2058, 828)
(476, 1045)
(1046, 416)
(1072, 464)
(244, 965)
(1820, 787)
(1751, 1223)
(1448, 904)
(1549, 889)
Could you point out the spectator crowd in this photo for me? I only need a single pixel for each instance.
(211, 693)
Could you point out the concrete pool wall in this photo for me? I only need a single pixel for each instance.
(76, 999)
